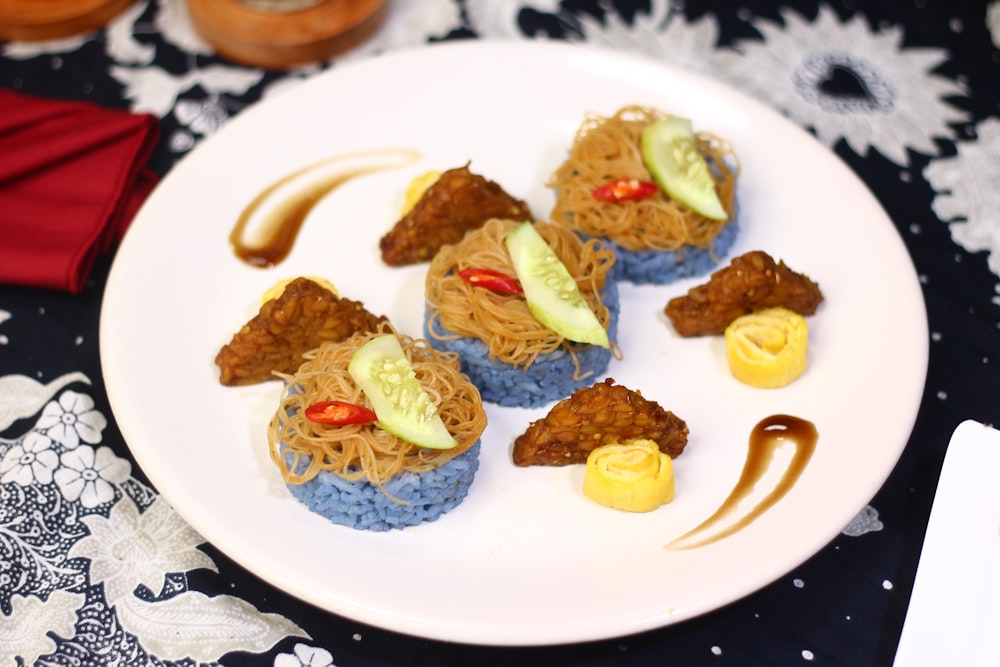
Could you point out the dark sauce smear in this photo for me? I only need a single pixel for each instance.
(278, 227)
(767, 437)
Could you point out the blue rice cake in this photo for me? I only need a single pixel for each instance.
(407, 499)
(508, 354)
(657, 239)
(360, 475)
(659, 267)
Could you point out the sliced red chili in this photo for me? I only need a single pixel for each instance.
(339, 413)
(498, 281)
(625, 189)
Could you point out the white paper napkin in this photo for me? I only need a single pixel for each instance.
(954, 612)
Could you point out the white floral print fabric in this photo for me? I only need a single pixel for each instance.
(82, 533)
(850, 82)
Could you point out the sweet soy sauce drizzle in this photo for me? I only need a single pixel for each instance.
(767, 437)
(266, 230)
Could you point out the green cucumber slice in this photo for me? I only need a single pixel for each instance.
(401, 403)
(551, 292)
(671, 155)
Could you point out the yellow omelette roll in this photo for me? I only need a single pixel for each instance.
(634, 476)
(418, 186)
(767, 349)
(279, 287)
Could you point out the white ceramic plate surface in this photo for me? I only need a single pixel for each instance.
(526, 559)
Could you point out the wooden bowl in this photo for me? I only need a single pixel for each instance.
(242, 32)
(37, 20)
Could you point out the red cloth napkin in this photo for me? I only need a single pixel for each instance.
(72, 176)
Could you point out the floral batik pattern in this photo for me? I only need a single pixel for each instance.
(91, 553)
(847, 81)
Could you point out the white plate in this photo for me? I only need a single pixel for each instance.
(954, 610)
(527, 559)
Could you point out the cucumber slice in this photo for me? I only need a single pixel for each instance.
(671, 154)
(551, 292)
(401, 403)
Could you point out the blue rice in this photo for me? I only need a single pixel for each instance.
(658, 267)
(551, 377)
(408, 498)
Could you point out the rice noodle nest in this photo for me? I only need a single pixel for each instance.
(508, 354)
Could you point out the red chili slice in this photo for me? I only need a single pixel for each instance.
(497, 281)
(625, 189)
(339, 413)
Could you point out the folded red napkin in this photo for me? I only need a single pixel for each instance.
(72, 176)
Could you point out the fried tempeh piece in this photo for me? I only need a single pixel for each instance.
(457, 202)
(752, 282)
(598, 415)
(304, 316)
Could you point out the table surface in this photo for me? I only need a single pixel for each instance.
(908, 99)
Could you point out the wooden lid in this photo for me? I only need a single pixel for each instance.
(36, 20)
(260, 34)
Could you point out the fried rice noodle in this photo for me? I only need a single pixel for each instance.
(610, 148)
(301, 448)
(503, 321)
